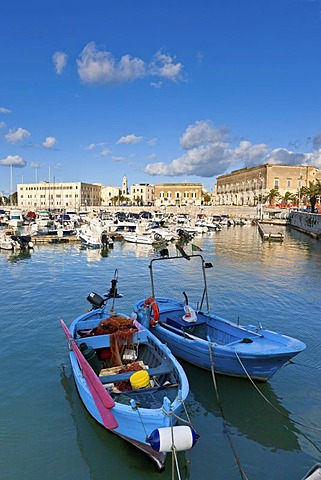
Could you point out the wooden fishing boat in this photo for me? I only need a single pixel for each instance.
(204, 339)
(127, 379)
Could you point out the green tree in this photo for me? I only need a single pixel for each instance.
(206, 197)
(4, 200)
(273, 195)
(287, 198)
(119, 199)
(312, 191)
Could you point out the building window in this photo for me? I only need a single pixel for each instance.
(276, 183)
(288, 183)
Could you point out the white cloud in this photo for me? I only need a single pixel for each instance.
(92, 146)
(2, 125)
(250, 154)
(281, 156)
(35, 165)
(100, 67)
(60, 61)
(129, 139)
(208, 153)
(204, 161)
(105, 152)
(315, 159)
(202, 132)
(4, 110)
(158, 84)
(50, 142)
(16, 136)
(117, 159)
(152, 142)
(14, 160)
(164, 66)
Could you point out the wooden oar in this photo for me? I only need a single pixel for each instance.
(101, 397)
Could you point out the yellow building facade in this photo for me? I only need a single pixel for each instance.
(179, 194)
(249, 186)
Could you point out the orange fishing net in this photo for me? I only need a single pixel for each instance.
(121, 330)
(125, 385)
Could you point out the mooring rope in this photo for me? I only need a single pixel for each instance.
(227, 429)
(135, 407)
(316, 429)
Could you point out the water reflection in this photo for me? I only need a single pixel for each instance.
(247, 283)
(17, 256)
(95, 254)
(96, 444)
(138, 249)
(245, 411)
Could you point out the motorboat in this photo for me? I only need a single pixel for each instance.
(196, 335)
(15, 218)
(13, 240)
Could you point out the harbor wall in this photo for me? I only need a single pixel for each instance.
(208, 210)
(306, 222)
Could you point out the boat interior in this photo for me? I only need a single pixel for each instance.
(206, 327)
(139, 353)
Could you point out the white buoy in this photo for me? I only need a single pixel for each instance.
(182, 437)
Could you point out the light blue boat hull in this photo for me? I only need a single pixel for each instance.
(134, 424)
(211, 341)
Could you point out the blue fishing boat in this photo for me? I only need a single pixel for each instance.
(128, 380)
(202, 338)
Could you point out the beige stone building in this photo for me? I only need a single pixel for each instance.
(108, 193)
(168, 194)
(58, 195)
(142, 194)
(249, 186)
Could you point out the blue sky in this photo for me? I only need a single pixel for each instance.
(159, 91)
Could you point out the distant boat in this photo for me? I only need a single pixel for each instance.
(148, 239)
(204, 339)
(128, 380)
(15, 218)
(3, 217)
(11, 240)
(90, 234)
(141, 235)
(6, 242)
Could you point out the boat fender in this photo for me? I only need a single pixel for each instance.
(154, 309)
(181, 437)
(190, 314)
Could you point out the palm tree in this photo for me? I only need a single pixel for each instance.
(273, 195)
(288, 198)
(312, 191)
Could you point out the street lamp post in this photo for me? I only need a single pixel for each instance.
(299, 185)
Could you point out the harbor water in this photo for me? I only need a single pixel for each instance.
(273, 431)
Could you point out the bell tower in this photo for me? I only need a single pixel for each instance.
(124, 188)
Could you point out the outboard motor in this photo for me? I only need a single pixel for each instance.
(95, 300)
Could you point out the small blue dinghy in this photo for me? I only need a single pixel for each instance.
(202, 338)
(127, 379)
